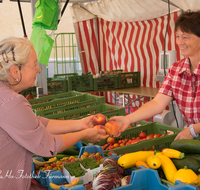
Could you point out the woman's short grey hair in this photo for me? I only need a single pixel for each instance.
(13, 51)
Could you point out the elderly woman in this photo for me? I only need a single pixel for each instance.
(182, 82)
(22, 134)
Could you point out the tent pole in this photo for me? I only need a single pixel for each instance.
(23, 26)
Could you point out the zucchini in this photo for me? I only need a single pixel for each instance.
(186, 146)
(190, 161)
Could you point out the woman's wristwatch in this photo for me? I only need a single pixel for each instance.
(192, 131)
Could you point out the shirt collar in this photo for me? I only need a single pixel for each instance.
(185, 67)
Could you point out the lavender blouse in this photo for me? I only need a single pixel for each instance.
(22, 134)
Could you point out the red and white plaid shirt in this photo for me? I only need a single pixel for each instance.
(184, 87)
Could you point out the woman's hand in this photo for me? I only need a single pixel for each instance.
(184, 134)
(94, 134)
(123, 122)
(86, 122)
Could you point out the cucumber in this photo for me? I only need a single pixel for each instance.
(190, 146)
(190, 161)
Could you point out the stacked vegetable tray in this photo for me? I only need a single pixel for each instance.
(149, 144)
(105, 109)
(58, 83)
(54, 97)
(138, 179)
(60, 105)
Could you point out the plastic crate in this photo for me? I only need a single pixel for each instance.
(54, 97)
(66, 75)
(106, 83)
(31, 91)
(106, 109)
(129, 79)
(56, 85)
(91, 149)
(112, 72)
(144, 179)
(80, 83)
(65, 104)
(151, 144)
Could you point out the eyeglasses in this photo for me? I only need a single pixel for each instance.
(38, 70)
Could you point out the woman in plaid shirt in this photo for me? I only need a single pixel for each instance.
(22, 134)
(182, 82)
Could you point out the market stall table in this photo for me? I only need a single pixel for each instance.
(140, 91)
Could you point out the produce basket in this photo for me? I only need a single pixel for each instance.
(56, 85)
(106, 83)
(54, 97)
(106, 109)
(112, 72)
(150, 144)
(65, 104)
(129, 79)
(31, 91)
(66, 75)
(80, 83)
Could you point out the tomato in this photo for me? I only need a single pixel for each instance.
(142, 135)
(110, 140)
(116, 145)
(158, 135)
(150, 136)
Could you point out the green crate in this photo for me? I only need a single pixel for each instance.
(150, 127)
(112, 72)
(106, 83)
(80, 83)
(31, 91)
(56, 85)
(129, 79)
(66, 75)
(56, 96)
(106, 109)
(65, 104)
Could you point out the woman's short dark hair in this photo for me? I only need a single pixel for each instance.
(189, 22)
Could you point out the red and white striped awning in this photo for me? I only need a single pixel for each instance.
(126, 34)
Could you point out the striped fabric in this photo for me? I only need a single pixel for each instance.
(131, 46)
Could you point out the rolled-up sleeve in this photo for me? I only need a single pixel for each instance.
(166, 87)
(28, 130)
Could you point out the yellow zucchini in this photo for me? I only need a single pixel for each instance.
(172, 153)
(129, 160)
(154, 162)
(167, 166)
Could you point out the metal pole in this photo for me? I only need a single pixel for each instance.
(22, 20)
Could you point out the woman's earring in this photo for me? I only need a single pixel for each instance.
(16, 80)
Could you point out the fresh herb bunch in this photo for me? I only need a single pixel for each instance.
(74, 169)
(89, 163)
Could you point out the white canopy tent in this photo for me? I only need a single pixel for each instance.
(131, 10)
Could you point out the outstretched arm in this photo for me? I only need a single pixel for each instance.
(149, 109)
(67, 126)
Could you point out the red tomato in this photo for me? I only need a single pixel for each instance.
(142, 135)
(150, 136)
(110, 140)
